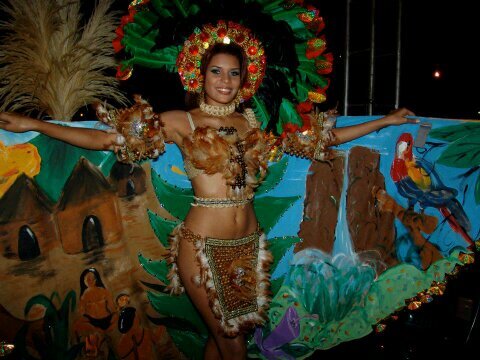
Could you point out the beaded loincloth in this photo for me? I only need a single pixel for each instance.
(234, 273)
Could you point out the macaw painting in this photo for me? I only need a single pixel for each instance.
(83, 241)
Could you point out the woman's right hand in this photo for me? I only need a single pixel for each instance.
(16, 122)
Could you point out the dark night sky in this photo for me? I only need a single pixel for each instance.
(435, 35)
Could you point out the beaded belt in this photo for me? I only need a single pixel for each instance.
(220, 202)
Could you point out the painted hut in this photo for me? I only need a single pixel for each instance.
(88, 215)
(128, 179)
(27, 224)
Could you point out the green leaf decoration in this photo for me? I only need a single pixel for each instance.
(175, 200)
(58, 161)
(261, 112)
(404, 281)
(290, 16)
(164, 58)
(270, 209)
(68, 303)
(157, 268)
(308, 72)
(288, 115)
(177, 306)
(161, 227)
(173, 8)
(161, 7)
(278, 246)
(146, 20)
(137, 38)
(275, 285)
(57, 321)
(156, 287)
(275, 175)
(300, 90)
(463, 150)
(189, 8)
(456, 132)
(40, 300)
(142, 34)
(462, 153)
(190, 343)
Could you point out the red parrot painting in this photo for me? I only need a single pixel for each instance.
(418, 182)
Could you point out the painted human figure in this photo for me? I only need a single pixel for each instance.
(218, 254)
(135, 341)
(97, 311)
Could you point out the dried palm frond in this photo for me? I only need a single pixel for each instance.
(50, 63)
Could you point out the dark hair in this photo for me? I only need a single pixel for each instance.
(191, 99)
(98, 279)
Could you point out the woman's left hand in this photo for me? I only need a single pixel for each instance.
(399, 117)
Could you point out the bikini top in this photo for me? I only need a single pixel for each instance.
(193, 171)
(241, 161)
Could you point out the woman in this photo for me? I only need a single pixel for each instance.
(97, 310)
(218, 254)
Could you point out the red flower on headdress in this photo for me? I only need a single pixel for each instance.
(324, 65)
(128, 18)
(290, 128)
(312, 19)
(304, 107)
(315, 47)
(117, 44)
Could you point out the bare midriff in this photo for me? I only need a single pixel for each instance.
(221, 223)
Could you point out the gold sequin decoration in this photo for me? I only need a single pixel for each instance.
(233, 264)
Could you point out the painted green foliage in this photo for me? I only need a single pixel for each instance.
(463, 150)
(55, 327)
(178, 314)
(341, 311)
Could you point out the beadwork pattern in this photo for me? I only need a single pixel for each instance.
(233, 264)
(189, 59)
(220, 202)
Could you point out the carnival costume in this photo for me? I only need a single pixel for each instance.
(233, 271)
(321, 299)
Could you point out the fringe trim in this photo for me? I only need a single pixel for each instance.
(175, 287)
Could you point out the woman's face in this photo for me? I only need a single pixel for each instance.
(90, 279)
(222, 79)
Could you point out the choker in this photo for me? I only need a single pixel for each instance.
(217, 110)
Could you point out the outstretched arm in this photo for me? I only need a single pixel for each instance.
(316, 143)
(81, 137)
(348, 133)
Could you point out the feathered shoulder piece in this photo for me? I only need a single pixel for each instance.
(141, 128)
(315, 142)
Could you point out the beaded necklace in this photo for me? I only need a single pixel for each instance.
(217, 110)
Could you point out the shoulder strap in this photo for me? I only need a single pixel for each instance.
(190, 120)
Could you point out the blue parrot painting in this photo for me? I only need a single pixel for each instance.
(418, 182)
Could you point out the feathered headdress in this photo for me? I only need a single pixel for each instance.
(153, 32)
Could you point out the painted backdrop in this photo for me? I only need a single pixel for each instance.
(83, 240)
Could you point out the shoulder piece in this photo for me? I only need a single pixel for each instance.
(141, 128)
